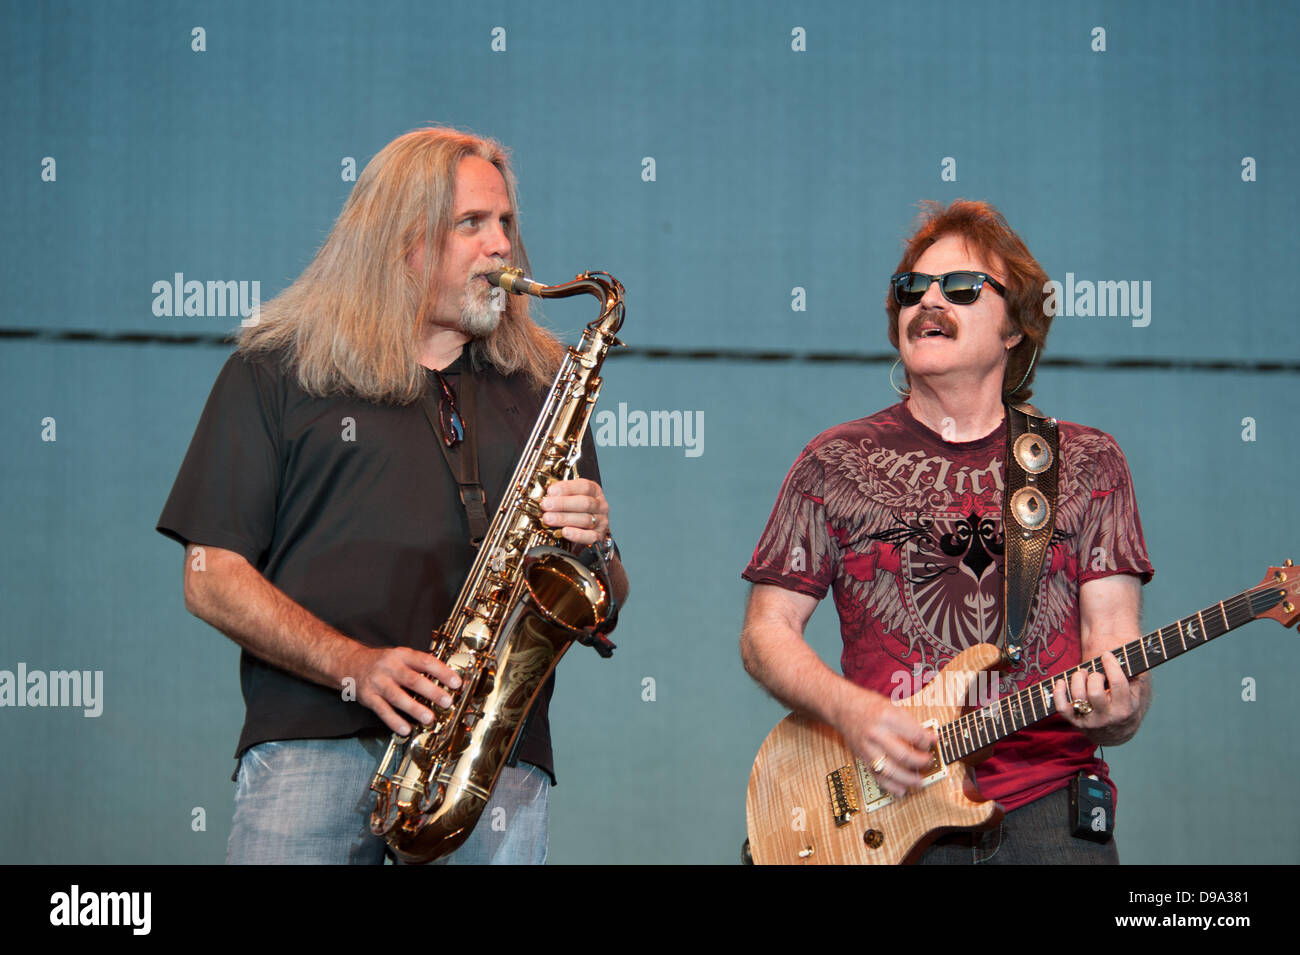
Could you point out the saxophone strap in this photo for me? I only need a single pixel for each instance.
(1028, 517)
(463, 460)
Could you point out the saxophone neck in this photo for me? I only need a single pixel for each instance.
(610, 293)
(601, 285)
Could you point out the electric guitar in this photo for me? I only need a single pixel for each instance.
(812, 801)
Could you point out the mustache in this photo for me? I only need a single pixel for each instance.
(488, 265)
(934, 317)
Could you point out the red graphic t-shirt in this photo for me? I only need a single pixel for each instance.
(906, 528)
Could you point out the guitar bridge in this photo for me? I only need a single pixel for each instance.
(844, 795)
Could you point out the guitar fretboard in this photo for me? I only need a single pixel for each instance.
(984, 727)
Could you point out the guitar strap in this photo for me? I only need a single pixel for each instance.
(1028, 517)
(463, 460)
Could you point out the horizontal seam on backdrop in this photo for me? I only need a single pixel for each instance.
(75, 336)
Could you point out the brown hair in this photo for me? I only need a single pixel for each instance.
(351, 322)
(985, 230)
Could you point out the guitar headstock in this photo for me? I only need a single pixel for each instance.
(1285, 580)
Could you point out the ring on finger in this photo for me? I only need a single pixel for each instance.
(1082, 707)
(878, 764)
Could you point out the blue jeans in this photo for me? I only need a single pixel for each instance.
(308, 801)
(1037, 833)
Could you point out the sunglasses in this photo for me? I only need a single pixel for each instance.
(453, 427)
(960, 288)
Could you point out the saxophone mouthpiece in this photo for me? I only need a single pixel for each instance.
(514, 280)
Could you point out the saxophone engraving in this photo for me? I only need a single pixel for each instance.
(524, 602)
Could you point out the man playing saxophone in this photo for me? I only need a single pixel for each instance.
(360, 436)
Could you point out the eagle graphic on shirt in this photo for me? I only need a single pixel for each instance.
(912, 543)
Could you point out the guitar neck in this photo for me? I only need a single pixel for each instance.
(983, 727)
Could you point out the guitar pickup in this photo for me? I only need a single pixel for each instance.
(874, 796)
(937, 768)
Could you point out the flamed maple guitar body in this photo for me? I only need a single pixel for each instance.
(795, 797)
(811, 801)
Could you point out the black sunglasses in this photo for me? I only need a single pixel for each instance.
(960, 288)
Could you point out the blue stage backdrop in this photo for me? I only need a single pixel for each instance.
(748, 170)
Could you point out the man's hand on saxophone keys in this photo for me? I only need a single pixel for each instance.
(387, 678)
(579, 508)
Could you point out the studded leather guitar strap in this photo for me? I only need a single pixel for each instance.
(1028, 516)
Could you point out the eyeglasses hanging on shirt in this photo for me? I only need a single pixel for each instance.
(453, 426)
(450, 425)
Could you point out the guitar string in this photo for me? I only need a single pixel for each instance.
(951, 740)
(971, 722)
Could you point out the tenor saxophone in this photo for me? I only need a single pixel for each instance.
(525, 601)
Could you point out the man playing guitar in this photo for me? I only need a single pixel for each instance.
(900, 514)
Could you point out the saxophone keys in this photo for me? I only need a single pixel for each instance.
(476, 634)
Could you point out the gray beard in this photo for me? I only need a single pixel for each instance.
(480, 315)
(479, 322)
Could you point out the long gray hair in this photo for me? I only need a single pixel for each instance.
(350, 324)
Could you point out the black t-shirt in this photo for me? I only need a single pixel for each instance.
(350, 509)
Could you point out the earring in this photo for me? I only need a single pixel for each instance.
(901, 392)
(1032, 359)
